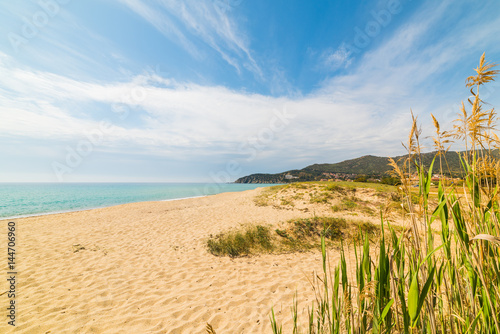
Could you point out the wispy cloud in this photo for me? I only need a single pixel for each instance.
(185, 22)
(163, 23)
(333, 60)
(412, 69)
(365, 111)
(59, 43)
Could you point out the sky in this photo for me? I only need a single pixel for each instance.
(212, 90)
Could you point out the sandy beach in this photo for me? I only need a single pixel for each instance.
(144, 268)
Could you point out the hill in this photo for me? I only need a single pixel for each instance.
(368, 165)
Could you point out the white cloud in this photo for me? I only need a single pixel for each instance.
(363, 112)
(178, 119)
(334, 60)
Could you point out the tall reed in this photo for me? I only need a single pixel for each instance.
(418, 284)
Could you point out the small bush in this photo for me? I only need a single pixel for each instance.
(361, 178)
(323, 197)
(281, 233)
(314, 228)
(347, 203)
(296, 235)
(368, 228)
(337, 208)
(393, 181)
(336, 188)
(260, 236)
(253, 239)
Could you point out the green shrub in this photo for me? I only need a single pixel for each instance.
(281, 233)
(361, 178)
(336, 188)
(323, 197)
(393, 181)
(347, 203)
(296, 235)
(253, 239)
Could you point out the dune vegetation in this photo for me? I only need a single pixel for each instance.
(437, 273)
(295, 235)
(336, 210)
(420, 282)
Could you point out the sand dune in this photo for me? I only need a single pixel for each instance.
(144, 268)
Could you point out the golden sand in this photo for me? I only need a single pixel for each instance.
(144, 268)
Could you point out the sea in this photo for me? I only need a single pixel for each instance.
(31, 199)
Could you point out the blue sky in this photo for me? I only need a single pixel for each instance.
(211, 90)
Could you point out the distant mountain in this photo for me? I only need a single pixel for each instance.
(368, 165)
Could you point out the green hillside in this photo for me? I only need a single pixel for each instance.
(368, 165)
(376, 166)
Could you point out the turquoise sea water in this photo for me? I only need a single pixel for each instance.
(27, 199)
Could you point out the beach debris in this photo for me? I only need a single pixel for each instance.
(210, 329)
(93, 248)
(487, 237)
(77, 248)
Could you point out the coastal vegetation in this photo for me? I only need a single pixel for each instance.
(437, 273)
(420, 283)
(350, 207)
(299, 195)
(295, 235)
(253, 239)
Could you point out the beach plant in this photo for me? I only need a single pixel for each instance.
(420, 281)
(283, 196)
(239, 243)
(295, 235)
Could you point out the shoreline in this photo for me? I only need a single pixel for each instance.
(97, 208)
(61, 201)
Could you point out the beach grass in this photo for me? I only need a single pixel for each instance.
(295, 235)
(419, 283)
(250, 240)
